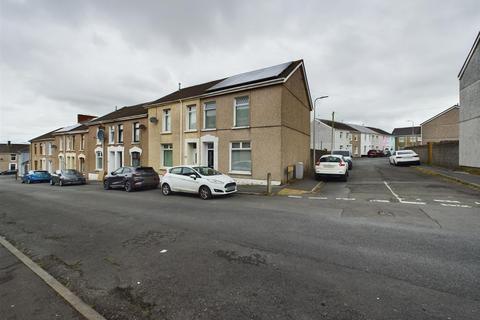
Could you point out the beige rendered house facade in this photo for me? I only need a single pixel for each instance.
(246, 125)
(11, 156)
(43, 153)
(117, 139)
(442, 127)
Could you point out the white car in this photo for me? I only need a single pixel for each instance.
(404, 157)
(347, 156)
(331, 165)
(205, 181)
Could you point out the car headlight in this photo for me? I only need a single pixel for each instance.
(215, 181)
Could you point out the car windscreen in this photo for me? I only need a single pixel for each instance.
(342, 153)
(70, 172)
(148, 170)
(40, 173)
(206, 171)
(330, 159)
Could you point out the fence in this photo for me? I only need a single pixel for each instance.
(443, 154)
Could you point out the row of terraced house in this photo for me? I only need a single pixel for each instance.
(246, 125)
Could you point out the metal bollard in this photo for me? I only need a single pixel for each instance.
(269, 183)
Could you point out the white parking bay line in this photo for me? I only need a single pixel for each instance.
(346, 199)
(412, 202)
(394, 194)
(296, 197)
(318, 198)
(375, 200)
(446, 201)
(455, 205)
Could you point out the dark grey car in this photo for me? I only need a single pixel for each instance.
(67, 176)
(132, 178)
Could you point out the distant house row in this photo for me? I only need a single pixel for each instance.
(246, 125)
(14, 157)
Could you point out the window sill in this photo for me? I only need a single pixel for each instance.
(243, 173)
(135, 142)
(209, 129)
(243, 127)
(166, 132)
(189, 131)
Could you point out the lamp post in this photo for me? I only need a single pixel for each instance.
(314, 128)
(413, 131)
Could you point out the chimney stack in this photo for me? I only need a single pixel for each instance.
(81, 118)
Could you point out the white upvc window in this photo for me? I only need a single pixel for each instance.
(120, 133)
(99, 160)
(241, 114)
(13, 157)
(111, 135)
(82, 142)
(341, 134)
(167, 121)
(210, 115)
(136, 132)
(191, 117)
(241, 157)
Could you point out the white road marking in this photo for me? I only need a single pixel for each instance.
(412, 202)
(163, 251)
(455, 205)
(394, 194)
(379, 200)
(66, 294)
(318, 198)
(296, 197)
(477, 202)
(446, 201)
(346, 199)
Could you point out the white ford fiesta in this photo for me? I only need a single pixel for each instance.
(404, 157)
(205, 181)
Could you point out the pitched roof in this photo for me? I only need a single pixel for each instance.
(124, 112)
(379, 130)
(13, 147)
(45, 136)
(470, 55)
(440, 114)
(71, 128)
(407, 131)
(338, 125)
(277, 72)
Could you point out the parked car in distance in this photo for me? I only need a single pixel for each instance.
(375, 153)
(8, 172)
(36, 176)
(68, 176)
(404, 157)
(203, 180)
(347, 155)
(331, 165)
(132, 178)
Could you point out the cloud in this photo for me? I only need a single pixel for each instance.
(381, 63)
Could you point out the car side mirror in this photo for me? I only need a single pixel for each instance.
(194, 177)
(113, 173)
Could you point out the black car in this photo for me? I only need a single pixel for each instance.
(8, 172)
(132, 178)
(68, 176)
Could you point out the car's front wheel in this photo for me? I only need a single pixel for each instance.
(106, 185)
(52, 183)
(205, 192)
(60, 183)
(29, 181)
(166, 189)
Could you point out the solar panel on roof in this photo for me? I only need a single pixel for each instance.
(68, 128)
(255, 75)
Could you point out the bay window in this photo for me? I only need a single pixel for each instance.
(241, 157)
(167, 155)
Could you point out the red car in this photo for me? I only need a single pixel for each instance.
(375, 153)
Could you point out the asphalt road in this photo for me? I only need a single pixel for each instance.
(391, 243)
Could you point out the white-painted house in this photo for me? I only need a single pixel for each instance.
(343, 135)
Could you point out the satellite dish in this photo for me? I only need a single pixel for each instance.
(101, 134)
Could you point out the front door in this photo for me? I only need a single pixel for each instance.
(210, 155)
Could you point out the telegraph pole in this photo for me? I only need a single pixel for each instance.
(333, 136)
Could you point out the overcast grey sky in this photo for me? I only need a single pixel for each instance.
(381, 62)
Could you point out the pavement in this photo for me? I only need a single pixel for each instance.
(472, 180)
(391, 243)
